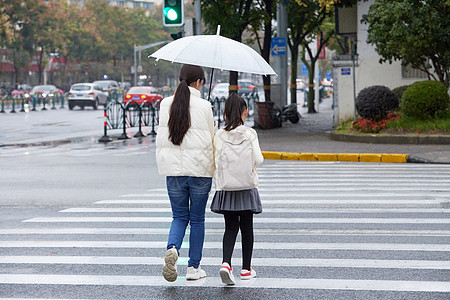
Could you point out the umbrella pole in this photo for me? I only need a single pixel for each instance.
(210, 84)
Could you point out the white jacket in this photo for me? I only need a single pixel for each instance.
(195, 156)
(222, 135)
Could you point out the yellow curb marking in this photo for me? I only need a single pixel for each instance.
(348, 157)
(307, 156)
(355, 157)
(369, 157)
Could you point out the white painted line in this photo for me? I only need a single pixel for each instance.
(256, 220)
(329, 175)
(297, 201)
(218, 245)
(268, 210)
(288, 188)
(361, 194)
(217, 261)
(289, 283)
(257, 231)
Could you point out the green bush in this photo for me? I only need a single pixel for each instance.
(375, 102)
(424, 99)
(399, 91)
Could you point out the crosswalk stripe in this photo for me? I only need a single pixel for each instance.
(211, 231)
(217, 261)
(287, 283)
(218, 245)
(271, 210)
(256, 220)
(285, 202)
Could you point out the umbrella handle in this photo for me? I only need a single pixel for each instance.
(210, 84)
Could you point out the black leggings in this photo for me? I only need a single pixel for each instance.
(233, 221)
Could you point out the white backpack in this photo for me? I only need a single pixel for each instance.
(236, 163)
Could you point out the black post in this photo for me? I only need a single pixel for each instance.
(3, 105)
(53, 102)
(44, 100)
(140, 133)
(23, 104)
(34, 103)
(153, 119)
(218, 113)
(13, 105)
(124, 135)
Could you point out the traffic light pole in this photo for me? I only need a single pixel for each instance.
(198, 18)
(139, 49)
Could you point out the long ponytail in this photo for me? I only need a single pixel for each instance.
(180, 117)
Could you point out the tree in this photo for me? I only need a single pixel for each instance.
(306, 24)
(17, 31)
(234, 17)
(267, 9)
(417, 32)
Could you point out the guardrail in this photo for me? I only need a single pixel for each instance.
(118, 115)
(132, 114)
(218, 105)
(11, 103)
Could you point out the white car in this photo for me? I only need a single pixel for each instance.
(87, 94)
(220, 90)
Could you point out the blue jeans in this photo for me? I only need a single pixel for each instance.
(188, 197)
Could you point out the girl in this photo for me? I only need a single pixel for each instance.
(184, 153)
(237, 206)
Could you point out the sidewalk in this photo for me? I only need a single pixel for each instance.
(310, 135)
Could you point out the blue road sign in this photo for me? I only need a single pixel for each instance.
(328, 74)
(278, 46)
(345, 71)
(304, 70)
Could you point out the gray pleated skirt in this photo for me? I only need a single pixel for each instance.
(236, 201)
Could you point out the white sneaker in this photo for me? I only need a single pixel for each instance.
(195, 273)
(246, 274)
(170, 265)
(226, 274)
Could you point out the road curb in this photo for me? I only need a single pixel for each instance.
(392, 139)
(348, 157)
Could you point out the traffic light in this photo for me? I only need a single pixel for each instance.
(173, 12)
(176, 36)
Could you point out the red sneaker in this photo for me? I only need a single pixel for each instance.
(246, 274)
(226, 274)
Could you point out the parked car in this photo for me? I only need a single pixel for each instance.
(246, 87)
(220, 90)
(44, 90)
(107, 85)
(87, 94)
(139, 94)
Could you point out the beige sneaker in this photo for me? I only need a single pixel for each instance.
(195, 274)
(170, 265)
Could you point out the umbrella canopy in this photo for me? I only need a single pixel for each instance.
(214, 51)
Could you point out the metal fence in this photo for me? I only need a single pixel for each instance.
(132, 114)
(22, 103)
(218, 105)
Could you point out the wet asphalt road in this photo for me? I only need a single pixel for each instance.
(89, 220)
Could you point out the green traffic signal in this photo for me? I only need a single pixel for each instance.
(173, 12)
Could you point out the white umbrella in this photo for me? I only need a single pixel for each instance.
(214, 51)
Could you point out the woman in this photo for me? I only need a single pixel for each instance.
(184, 153)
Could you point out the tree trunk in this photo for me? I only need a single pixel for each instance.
(294, 61)
(311, 70)
(41, 55)
(233, 74)
(265, 52)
